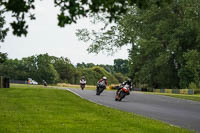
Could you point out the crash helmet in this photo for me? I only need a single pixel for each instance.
(129, 80)
(104, 78)
(83, 77)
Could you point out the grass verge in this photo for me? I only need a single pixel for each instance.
(88, 87)
(35, 109)
(195, 97)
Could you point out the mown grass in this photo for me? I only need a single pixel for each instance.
(35, 109)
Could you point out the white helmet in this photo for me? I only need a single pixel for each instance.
(104, 78)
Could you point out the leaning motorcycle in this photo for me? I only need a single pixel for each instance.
(125, 90)
(100, 88)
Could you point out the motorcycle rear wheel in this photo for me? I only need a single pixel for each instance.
(97, 91)
(121, 95)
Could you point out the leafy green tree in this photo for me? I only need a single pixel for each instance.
(20, 10)
(3, 30)
(65, 69)
(45, 69)
(81, 65)
(40, 68)
(121, 66)
(85, 65)
(120, 77)
(102, 72)
(30, 66)
(3, 57)
(91, 76)
(96, 73)
(108, 68)
(13, 69)
(53, 69)
(161, 37)
(70, 11)
(190, 72)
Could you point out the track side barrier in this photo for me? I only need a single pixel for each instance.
(175, 91)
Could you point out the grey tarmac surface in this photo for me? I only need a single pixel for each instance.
(179, 112)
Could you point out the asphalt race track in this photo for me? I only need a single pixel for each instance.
(183, 113)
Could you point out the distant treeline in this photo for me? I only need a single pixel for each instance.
(53, 70)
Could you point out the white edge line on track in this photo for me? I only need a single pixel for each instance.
(74, 93)
(87, 99)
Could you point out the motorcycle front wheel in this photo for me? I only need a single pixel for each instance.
(82, 86)
(97, 91)
(121, 95)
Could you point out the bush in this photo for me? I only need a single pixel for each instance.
(95, 73)
(101, 71)
(150, 89)
(91, 76)
(196, 91)
(144, 89)
(120, 77)
(192, 85)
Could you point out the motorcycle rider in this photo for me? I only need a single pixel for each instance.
(44, 82)
(82, 82)
(128, 82)
(102, 83)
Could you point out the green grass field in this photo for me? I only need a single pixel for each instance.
(34, 109)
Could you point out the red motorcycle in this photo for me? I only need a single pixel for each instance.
(125, 90)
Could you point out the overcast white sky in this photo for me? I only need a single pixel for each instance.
(45, 36)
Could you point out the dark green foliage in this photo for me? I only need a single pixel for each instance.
(20, 10)
(36, 67)
(64, 68)
(120, 77)
(165, 40)
(108, 68)
(3, 57)
(84, 65)
(19, 28)
(53, 70)
(96, 73)
(166, 49)
(103, 72)
(91, 76)
(3, 31)
(197, 91)
(45, 69)
(70, 11)
(121, 66)
(118, 70)
(13, 69)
